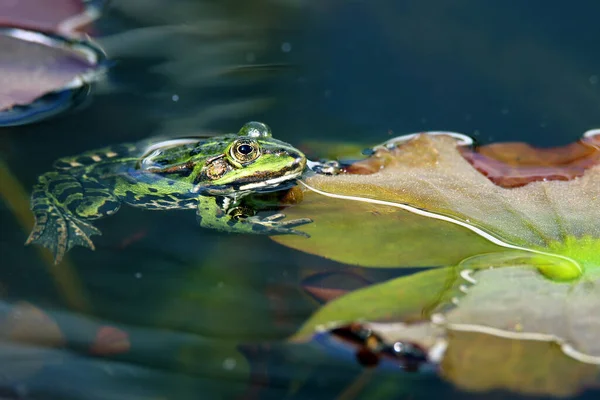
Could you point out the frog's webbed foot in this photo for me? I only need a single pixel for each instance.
(273, 225)
(240, 219)
(63, 205)
(59, 232)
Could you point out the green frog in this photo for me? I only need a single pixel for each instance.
(213, 175)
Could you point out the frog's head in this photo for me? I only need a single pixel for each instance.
(251, 161)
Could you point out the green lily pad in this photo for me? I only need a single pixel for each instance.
(387, 237)
(427, 205)
(507, 327)
(408, 298)
(514, 306)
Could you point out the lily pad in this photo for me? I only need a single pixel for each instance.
(61, 16)
(507, 328)
(42, 75)
(422, 203)
(519, 315)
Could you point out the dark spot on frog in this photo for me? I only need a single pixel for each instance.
(63, 196)
(152, 190)
(131, 199)
(189, 203)
(220, 213)
(52, 186)
(109, 207)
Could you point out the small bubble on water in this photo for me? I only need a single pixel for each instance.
(504, 111)
(138, 275)
(229, 363)
(175, 98)
(250, 57)
(286, 47)
(594, 79)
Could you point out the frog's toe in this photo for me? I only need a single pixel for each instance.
(298, 233)
(272, 225)
(274, 217)
(295, 222)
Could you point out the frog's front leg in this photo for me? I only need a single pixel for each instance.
(63, 204)
(226, 214)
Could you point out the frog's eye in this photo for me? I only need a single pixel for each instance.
(244, 151)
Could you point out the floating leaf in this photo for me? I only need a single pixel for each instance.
(422, 203)
(510, 328)
(41, 75)
(517, 164)
(407, 298)
(61, 16)
(334, 235)
(479, 362)
(531, 295)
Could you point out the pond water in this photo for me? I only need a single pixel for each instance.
(163, 309)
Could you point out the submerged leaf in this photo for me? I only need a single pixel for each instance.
(504, 328)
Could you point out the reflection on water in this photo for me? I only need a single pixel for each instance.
(165, 309)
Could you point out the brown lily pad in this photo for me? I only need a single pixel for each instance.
(517, 164)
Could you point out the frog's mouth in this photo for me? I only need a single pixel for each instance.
(270, 184)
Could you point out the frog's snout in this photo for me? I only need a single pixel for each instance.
(299, 162)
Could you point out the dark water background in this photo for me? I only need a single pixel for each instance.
(207, 313)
